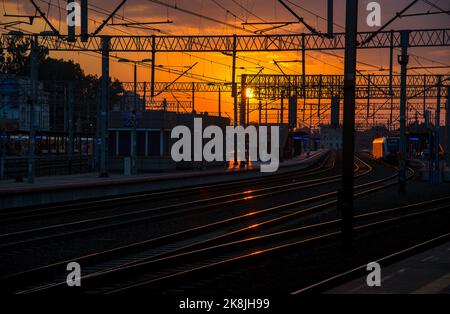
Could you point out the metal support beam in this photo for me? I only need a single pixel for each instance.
(70, 100)
(108, 18)
(396, 16)
(282, 107)
(346, 194)
(193, 98)
(144, 96)
(437, 133)
(152, 71)
(233, 82)
(104, 96)
(424, 108)
(34, 57)
(330, 18)
(243, 100)
(220, 104)
(319, 98)
(84, 32)
(447, 127)
(403, 61)
(134, 121)
(335, 111)
(247, 111)
(301, 20)
(70, 28)
(259, 112)
(292, 121)
(303, 77)
(266, 112)
(220, 43)
(368, 101)
(42, 14)
(391, 66)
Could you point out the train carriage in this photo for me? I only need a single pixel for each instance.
(386, 148)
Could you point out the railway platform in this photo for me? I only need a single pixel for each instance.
(427, 272)
(58, 189)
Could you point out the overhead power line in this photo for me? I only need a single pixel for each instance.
(199, 15)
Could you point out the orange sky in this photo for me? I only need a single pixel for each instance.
(233, 12)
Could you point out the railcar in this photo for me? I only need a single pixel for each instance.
(386, 148)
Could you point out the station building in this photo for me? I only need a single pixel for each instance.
(153, 138)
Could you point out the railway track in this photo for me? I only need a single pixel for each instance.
(29, 236)
(139, 253)
(170, 268)
(171, 195)
(156, 276)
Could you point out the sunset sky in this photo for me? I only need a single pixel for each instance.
(216, 66)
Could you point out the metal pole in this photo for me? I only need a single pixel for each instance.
(424, 95)
(303, 76)
(96, 161)
(348, 126)
(134, 120)
(403, 61)
(391, 65)
(438, 130)
(330, 18)
(243, 100)
(233, 82)
(447, 127)
(34, 100)
(144, 97)
(368, 101)
(282, 107)
(152, 72)
(266, 113)
(391, 60)
(104, 85)
(319, 99)
(70, 28)
(70, 123)
(247, 109)
(220, 105)
(259, 112)
(84, 20)
(193, 97)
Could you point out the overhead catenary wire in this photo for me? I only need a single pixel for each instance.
(319, 60)
(200, 58)
(211, 19)
(97, 10)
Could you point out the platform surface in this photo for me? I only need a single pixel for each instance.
(92, 179)
(425, 273)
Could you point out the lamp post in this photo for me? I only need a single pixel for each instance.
(134, 113)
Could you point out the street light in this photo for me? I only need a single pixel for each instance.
(134, 131)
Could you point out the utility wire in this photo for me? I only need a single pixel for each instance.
(199, 15)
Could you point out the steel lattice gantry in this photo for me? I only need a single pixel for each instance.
(270, 87)
(325, 86)
(229, 43)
